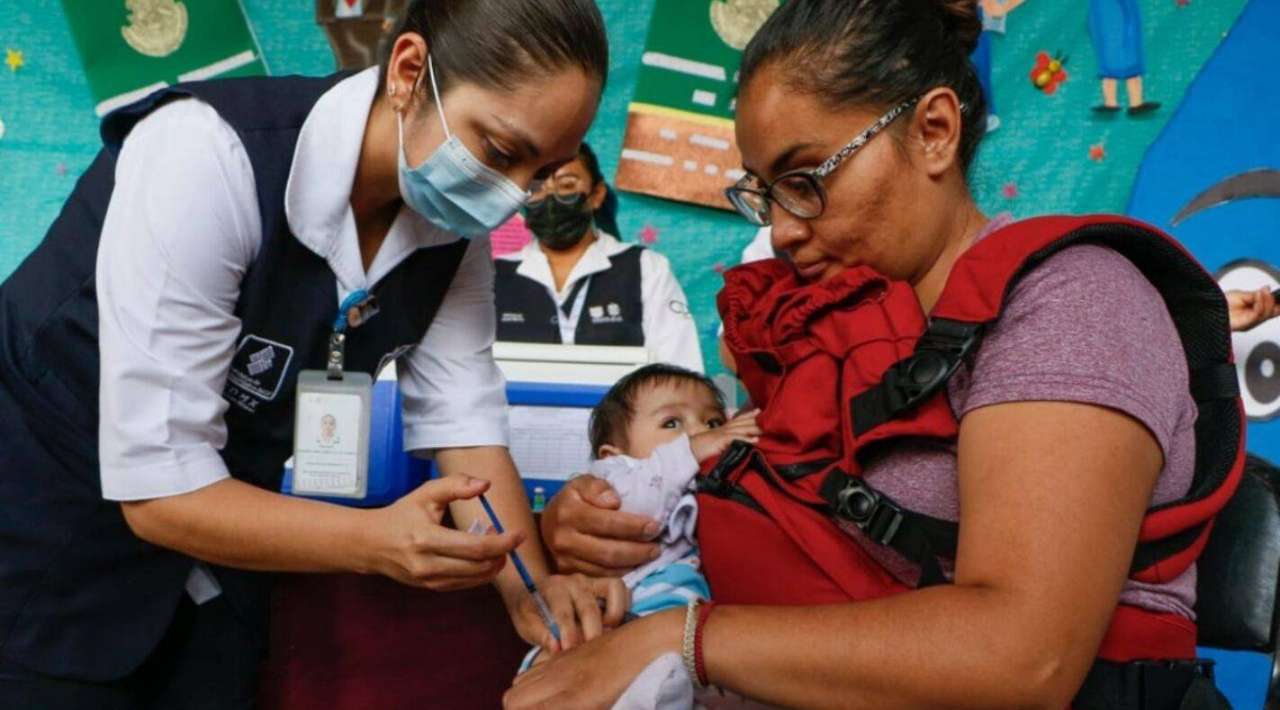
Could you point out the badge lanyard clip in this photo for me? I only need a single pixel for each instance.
(356, 309)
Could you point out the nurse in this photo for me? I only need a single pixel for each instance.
(576, 283)
(150, 351)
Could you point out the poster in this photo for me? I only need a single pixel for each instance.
(679, 139)
(130, 48)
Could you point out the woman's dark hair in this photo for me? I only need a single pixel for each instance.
(607, 216)
(498, 43)
(611, 416)
(876, 53)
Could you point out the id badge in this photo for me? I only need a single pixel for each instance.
(331, 434)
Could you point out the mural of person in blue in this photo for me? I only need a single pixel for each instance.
(1115, 28)
(993, 14)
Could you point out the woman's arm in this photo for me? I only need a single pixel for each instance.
(1050, 524)
(235, 524)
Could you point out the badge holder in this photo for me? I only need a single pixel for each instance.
(331, 422)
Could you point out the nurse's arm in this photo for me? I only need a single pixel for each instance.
(235, 524)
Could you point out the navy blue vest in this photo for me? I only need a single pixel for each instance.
(613, 313)
(80, 595)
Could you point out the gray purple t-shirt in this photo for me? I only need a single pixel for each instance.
(1085, 326)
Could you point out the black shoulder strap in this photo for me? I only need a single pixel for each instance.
(911, 381)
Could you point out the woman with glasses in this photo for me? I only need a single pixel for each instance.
(576, 283)
(857, 121)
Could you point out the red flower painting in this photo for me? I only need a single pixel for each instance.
(1048, 72)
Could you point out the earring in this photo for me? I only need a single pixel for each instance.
(391, 90)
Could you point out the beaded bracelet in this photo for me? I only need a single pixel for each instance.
(688, 650)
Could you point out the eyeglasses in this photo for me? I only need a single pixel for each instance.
(562, 187)
(800, 192)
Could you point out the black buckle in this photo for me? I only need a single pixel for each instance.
(872, 513)
(938, 354)
(715, 481)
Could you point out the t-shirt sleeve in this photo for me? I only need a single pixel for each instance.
(1085, 326)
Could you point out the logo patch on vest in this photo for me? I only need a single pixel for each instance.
(257, 372)
(509, 317)
(613, 310)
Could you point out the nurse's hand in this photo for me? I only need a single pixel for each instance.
(586, 532)
(409, 544)
(583, 607)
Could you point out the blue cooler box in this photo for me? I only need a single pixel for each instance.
(393, 473)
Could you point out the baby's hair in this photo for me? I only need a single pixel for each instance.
(611, 416)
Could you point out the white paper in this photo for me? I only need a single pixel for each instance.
(550, 442)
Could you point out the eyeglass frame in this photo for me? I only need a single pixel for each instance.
(534, 194)
(815, 176)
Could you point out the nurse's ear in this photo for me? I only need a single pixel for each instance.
(406, 70)
(607, 450)
(596, 197)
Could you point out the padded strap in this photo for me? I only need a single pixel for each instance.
(1216, 381)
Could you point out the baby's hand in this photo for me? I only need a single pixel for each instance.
(713, 442)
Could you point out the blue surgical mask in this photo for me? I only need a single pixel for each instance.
(452, 189)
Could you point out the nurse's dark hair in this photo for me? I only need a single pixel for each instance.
(876, 54)
(607, 216)
(617, 408)
(499, 43)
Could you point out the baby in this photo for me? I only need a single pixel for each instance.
(649, 434)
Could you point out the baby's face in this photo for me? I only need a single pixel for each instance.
(665, 411)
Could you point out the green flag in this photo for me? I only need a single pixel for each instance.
(130, 48)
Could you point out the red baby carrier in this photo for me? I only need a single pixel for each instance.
(848, 365)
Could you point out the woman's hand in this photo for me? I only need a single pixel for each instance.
(583, 607)
(409, 544)
(585, 531)
(1248, 309)
(712, 442)
(595, 675)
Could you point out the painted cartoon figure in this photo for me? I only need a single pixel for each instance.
(1115, 28)
(994, 14)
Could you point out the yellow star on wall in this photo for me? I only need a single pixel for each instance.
(14, 59)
